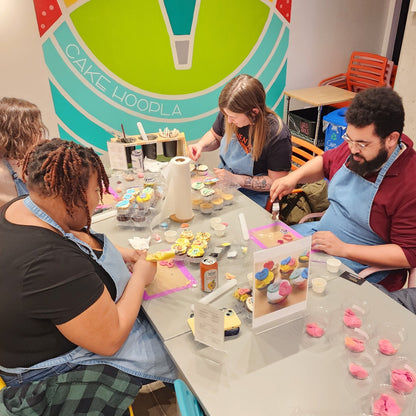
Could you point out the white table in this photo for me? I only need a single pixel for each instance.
(277, 373)
(273, 372)
(170, 313)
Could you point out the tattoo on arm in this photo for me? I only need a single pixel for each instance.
(214, 144)
(257, 183)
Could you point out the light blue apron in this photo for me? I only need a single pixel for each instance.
(21, 188)
(234, 159)
(142, 355)
(351, 197)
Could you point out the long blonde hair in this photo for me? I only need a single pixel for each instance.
(242, 95)
(21, 127)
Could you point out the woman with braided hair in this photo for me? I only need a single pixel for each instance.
(67, 298)
(21, 128)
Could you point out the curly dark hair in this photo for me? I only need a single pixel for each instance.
(62, 168)
(381, 106)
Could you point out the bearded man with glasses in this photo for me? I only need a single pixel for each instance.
(372, 214)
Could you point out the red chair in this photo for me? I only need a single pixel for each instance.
(365, 70)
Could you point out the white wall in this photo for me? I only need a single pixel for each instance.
(405, 79)
(323, 35)
(22, 68)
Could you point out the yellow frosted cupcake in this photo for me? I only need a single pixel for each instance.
(263, 278)
(183, 241)
(217, 203)
(188, 234)
(287, 266)
(228, 199)
(203, 236)
(195, 254)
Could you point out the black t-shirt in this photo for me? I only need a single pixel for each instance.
(277, 152)
(45, 280)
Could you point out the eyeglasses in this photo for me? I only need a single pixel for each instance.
(353, 143)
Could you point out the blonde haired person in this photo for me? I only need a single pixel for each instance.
(21, 128)
(255, 145)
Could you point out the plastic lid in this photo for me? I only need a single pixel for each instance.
(337, 117)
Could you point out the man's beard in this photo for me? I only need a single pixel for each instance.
(368, 166)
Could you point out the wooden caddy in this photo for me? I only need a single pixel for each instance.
(181, 148)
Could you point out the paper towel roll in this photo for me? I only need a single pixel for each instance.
(178, 203)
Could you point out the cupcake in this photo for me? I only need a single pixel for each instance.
(299, 277)
(198, 242)
(207, 194)
(183, 241)
(179, 250)
(217, 203)
(188, 234)
(278, 291)
(303, 259)
(144, 198)
(197, 186)
(123, 208)
(242, 294)
(203, 236)
(250, 304)
(202, 170)
(149, 181)
(263, 278)
(196, 202)
(228, 199)
(195, 254)
(138, 217)
(287, 266)
(210, 180)
(206, 208)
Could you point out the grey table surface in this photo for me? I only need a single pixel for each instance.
(281, 371)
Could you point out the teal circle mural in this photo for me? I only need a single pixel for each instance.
(162, 62)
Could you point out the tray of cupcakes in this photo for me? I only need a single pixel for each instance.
(139, 205)
(208, 194)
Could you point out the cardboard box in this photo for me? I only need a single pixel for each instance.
(302, 123)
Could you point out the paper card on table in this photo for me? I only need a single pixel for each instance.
(117, 155)
(281, 283)
(209, 325)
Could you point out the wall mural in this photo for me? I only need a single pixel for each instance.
(161, 62)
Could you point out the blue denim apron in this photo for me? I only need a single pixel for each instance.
(234, 159)
(351, 197)
(142, 355)
(18, 183)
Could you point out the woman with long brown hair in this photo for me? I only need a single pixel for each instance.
(21, 128)
(255, 145)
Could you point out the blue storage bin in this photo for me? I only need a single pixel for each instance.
(335, 126)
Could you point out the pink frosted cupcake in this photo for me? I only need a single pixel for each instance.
(278, 291)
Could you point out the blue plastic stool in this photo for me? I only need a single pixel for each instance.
(188, 404)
